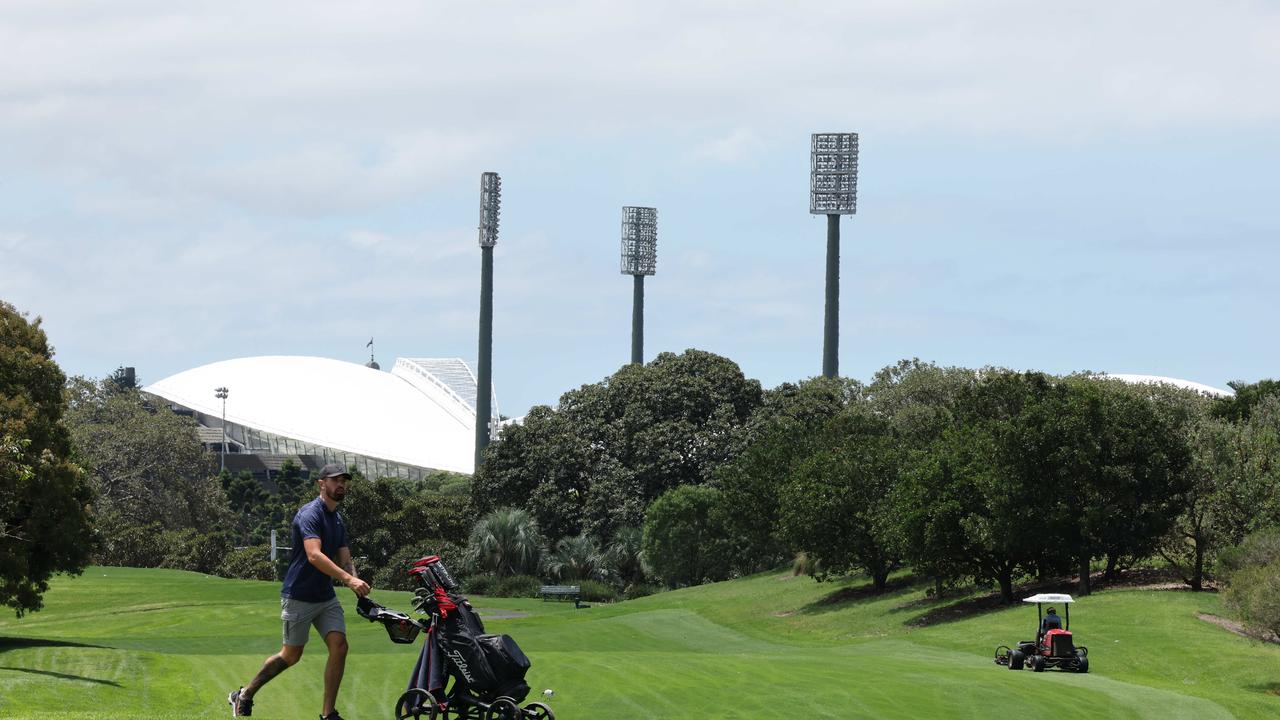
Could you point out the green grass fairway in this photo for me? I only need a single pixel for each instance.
(158, 644)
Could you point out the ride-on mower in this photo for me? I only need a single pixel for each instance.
(1053, 647)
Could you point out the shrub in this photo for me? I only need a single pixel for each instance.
(189, 550)
(1252, 576)
(394, 575)
(596, 591)
(806, 565)
(1254, 593)
(517, 586)
(684, 541)
(251, 563)
(480, 584)
(132, 545)
(640, 589)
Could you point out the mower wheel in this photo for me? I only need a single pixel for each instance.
(1037, 663)
(504, 708)
(1016, 659)
(538, 711)
(1082, 662)
(417, 703)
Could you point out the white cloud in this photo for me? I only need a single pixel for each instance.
(738, 146)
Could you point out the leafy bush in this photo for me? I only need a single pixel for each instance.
(394, 575)
(126, 545)
(1252, 576)
(640, 589)
(480, 584)
(684, 542)
(251, 563)
(804, 564)
(517, 586)
(189, 550)
(1254, 593)
(596, 591)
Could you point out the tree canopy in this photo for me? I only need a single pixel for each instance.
(44, 498)
(595, 463)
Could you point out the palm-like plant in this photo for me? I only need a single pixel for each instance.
(622, 557)
(506, 542)
(576, 558)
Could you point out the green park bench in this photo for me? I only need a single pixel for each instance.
(560, 592)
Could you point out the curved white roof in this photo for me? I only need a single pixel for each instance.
(402, 416)
(1157, 379)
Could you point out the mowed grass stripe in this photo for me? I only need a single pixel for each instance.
(174, 643)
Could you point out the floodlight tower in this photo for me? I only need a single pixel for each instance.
(490, 201)
(833, 191)
(221, 393)
(639, 258)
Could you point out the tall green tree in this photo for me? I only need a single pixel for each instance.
(1122, 469)
(145, 463)
(783, 433)
(610, 448)
(45, 524)
(837, 505)
(1239, 406)
(1233, 488)
(391, 518)
(996, 474)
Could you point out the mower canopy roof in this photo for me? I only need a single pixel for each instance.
(1048, 598)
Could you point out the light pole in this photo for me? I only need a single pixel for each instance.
(639, 258)
(490, 203)
(221, 393)
(833, 191)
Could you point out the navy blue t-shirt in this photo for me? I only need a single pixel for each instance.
(303, 581)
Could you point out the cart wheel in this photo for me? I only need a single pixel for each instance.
(538, 711)
(504, 708)
(1082, 662)
(417, 703)
(1037, 663)
(1016, 658)
(1002, 655)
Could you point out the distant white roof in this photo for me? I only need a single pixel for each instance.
(1048, 598)
(408, 415)
(1157, 379)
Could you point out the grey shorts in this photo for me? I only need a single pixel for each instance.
(300, 615)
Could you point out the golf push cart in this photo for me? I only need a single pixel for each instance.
(1051, 648)
(462, 673)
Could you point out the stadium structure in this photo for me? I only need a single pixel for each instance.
(417, 418)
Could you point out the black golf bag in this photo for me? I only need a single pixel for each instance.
(462, 672)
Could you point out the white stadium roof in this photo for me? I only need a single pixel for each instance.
(409, 415)
(1158, 380)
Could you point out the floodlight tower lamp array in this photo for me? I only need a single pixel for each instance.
(639, 258)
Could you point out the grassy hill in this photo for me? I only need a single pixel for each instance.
(157, 644)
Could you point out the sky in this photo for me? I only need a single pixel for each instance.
(1049, 186)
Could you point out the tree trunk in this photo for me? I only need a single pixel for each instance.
(1084, 576)
(937, 587)
(1197, 573)
(1006, 586)
(880, 580)
(1112, 561)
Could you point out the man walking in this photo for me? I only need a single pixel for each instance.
(320, 556)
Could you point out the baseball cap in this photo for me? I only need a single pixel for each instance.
(333, 470)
